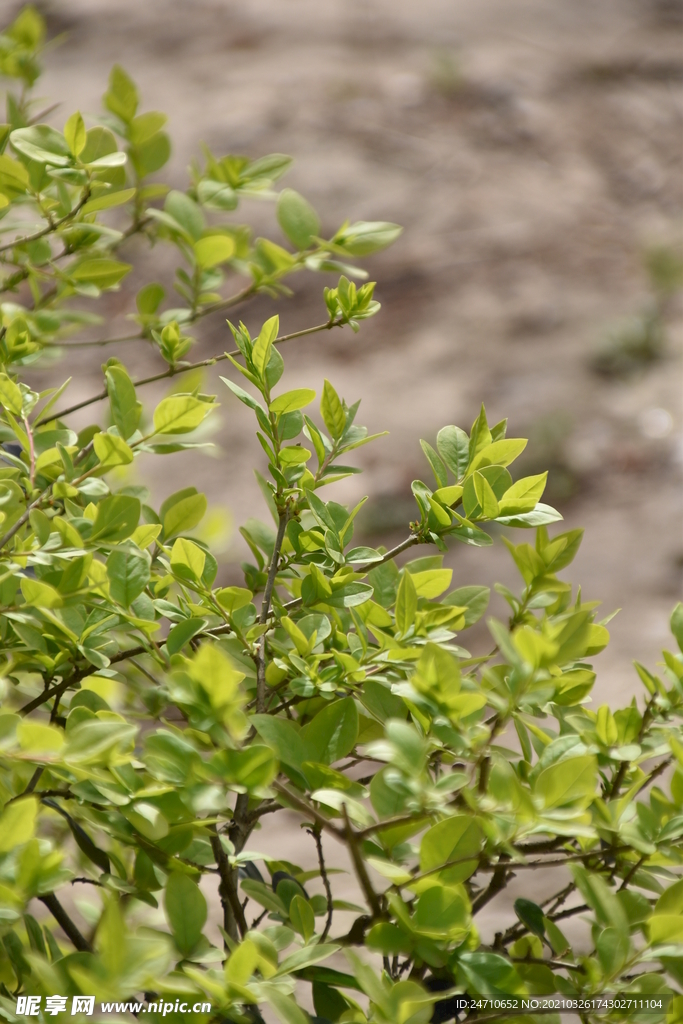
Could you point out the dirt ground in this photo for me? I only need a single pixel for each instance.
(532, 150)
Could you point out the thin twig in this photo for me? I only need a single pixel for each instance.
(185, 368)
(317, 836)
(359, 866)
(65, 923)
(499, 880)
(50, 227)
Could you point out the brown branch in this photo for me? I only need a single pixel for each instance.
(65, 923)
(233, 914)
(501, 877)
(50, 227)
(623, 767)
(185, 368)
(311, 813)
(561, 914)
(315, 832)
(59, 688)
(233, 300)
(359, 865)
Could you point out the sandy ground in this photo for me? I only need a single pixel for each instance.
(532, 152)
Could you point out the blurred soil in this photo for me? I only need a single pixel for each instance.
(532, 150)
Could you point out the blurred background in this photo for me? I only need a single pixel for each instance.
(532, 150)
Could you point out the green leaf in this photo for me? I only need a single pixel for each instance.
(297, 218)
(149, 298)
(125, 409)
(182, 632)
(332, 734)
(475, 599)
(128, 570)
(406, 603)
(438, 468)
(292, 400)
(489, 974)
(109, 200)
(285, 1007)
(117, 516)
(186, 213)
(455, 839)
(531, 915)
(74, 133)
(212, 250)
(144, 126)
(431, 582)
(10, 395)
(111, 451)
(302, 917)
(442, 913)
(524, 495)
(122, 96)
(187, 559)
(40, 594)
(676, 624)
(571, 780)
(244, 396)
(332, 411)
(499, 453)
(184, 513)
(365, 237)
(284, 737)
(542, 515)
(185, 909)
(17, 823)
(179, 414)
(453, 446)
(102, 273)
(263, 346)
(43, 144)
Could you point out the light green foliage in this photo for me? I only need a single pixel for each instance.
(151, 717)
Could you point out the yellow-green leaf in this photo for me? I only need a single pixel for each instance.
(111, 451)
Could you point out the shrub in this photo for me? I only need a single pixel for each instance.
(151, 719)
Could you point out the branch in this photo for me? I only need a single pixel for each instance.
(403, 546)
(50, 227)
(65, 923)
(309, 811)
(184, 368)
(360, 868)
(233, 914)
(500, 879)
(59, 688)
(265, 609)
(561, 914)
(557, 964)
(315, 832)
(86, 670)
(233, 300)
(623, 767)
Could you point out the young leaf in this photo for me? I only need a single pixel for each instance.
(297, 218)
(332, 411)
(406, 604)
(186, 910)
(260, 353)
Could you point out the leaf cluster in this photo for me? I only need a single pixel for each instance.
(152, 717)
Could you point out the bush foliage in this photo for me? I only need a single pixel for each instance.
(152, 720)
